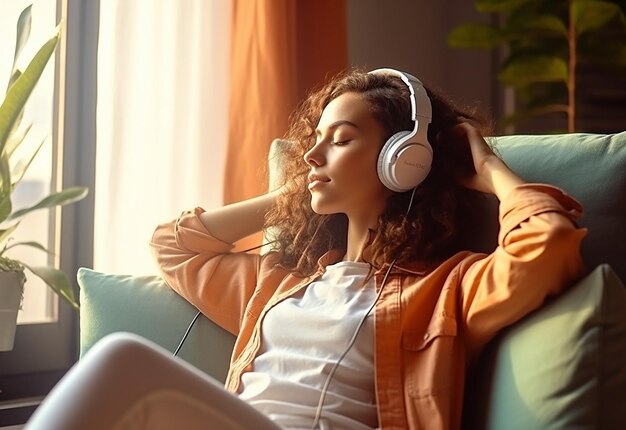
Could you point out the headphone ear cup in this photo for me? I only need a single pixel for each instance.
(386, 156)
(403, 165)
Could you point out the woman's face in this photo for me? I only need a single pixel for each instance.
(343, 177)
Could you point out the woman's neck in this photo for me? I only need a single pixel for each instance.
(358, 238)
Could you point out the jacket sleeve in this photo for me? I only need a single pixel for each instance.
(538, 255)
(202, 269)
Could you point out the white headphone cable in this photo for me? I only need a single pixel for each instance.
(320, 404)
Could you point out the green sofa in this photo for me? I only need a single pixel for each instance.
(562, 367)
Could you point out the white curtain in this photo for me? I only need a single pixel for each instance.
(161, 121)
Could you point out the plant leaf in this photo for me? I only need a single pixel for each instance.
(22, 88)
(16, 74)
(20, 168)
(478, 36)
(31, 244)
(545, 94)
(589, 15)
(23, 33)
(541, 23)
(15, 140)
(4, 234)
(56, 280)
(67, 196)
(526, 71)
(16, 123)
(549, 23)
(5, 188)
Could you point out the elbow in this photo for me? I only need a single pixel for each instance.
(559, 262)
(546, 257)
(566, 243)
(166, 251)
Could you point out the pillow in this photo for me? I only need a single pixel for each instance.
(145, 305)
(591, 168)
(562, 367)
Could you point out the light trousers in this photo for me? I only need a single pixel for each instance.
(127, 382)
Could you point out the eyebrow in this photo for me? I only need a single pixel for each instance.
(337, 124)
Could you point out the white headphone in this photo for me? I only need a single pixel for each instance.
(405, 159)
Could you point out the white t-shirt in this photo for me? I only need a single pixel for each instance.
(303, 337)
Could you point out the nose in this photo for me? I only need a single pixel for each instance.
(315, 156)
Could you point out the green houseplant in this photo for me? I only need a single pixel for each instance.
(12, 136)
(546, 42)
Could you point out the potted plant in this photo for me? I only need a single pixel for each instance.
(546, 42)
(12, 135)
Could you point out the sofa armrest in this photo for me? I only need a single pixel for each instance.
(145, 305)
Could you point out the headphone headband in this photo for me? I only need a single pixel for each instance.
(420, 102)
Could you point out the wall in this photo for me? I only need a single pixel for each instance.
(411, 35)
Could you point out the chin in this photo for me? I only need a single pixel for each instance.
(321, 209)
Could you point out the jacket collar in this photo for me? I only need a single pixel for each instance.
(412, 268)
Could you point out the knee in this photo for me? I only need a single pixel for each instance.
(121, 349)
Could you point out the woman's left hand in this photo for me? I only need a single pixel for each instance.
(491, 175)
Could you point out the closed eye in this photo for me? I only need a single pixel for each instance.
(340, 143)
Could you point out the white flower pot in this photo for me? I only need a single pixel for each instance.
(10, 298)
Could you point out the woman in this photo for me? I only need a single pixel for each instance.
(368, 312)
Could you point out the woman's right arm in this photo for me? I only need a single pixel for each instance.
(238, 220)
(194, 257)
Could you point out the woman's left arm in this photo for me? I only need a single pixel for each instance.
(538, 252)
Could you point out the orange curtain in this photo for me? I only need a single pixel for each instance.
(280, 50)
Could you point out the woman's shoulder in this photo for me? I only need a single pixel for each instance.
(456, 263)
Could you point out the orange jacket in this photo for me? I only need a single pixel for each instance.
(430, 323)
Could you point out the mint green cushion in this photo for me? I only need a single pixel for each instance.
(562, 367)
(145, 305)
(590, 167)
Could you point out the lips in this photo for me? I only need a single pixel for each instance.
(316, 180)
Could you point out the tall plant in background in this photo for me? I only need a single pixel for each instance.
(546, 41)
(13, 134)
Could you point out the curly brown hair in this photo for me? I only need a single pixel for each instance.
(429, 232)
